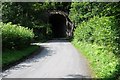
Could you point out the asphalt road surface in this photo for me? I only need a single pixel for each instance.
(58, 59)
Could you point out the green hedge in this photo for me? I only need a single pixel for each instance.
(14, 36)
(99, 40)
(102, 31)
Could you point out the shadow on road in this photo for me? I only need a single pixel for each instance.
(77, 76)
(28, 61)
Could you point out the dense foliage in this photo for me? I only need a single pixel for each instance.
(83, 11)
(100, 39)
(15, 37)
(97, 35)
(102, 31)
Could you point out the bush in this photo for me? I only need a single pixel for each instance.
(99, 40)
(14, 36)
(102, 31)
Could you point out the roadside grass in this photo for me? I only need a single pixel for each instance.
(102, 61)
(11, 56)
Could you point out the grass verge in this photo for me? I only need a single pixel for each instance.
(9, 57)
(102, 61)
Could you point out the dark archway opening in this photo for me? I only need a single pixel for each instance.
(58, 25)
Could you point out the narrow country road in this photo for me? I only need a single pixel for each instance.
(58, 59)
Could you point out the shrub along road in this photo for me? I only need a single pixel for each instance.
(58, 59)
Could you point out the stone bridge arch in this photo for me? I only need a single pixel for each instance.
(61, 24)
